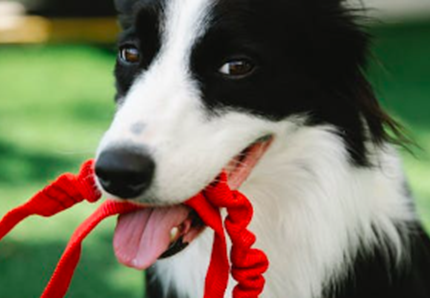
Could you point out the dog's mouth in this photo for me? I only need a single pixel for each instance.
(143, 237)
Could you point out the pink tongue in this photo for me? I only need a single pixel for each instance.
(143, 236)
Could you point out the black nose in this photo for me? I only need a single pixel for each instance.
(125, 173)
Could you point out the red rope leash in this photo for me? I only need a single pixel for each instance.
(248, 265)
(60, 280)
(60, 195)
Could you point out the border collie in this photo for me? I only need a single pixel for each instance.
(273, 92)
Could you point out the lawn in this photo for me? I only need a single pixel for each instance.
(55, 104)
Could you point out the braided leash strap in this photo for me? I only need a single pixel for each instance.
(248, 265)
(62, 194)
(63, 274)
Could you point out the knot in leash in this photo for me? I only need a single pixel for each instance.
(247, 264)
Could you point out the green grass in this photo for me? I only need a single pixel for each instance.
(55, 104)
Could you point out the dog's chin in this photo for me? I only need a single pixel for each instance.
(143, 237)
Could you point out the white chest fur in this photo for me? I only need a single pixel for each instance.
(312, 211)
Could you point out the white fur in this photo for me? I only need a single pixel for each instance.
(312, 207)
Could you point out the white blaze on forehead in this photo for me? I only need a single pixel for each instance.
(185, 22)
(166, 93)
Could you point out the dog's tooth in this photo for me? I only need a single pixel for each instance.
(174, 233)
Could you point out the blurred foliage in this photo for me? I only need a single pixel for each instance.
(400, 72)
(55, 104)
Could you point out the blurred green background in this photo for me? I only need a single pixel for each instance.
(56, 101)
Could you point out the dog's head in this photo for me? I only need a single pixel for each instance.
(207, 85)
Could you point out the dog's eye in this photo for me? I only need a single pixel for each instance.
(237, 68)
(129, 54)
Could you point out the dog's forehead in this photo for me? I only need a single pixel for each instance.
(166, 20)
(164, 9)
(168, 17)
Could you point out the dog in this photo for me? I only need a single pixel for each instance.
(274, 93)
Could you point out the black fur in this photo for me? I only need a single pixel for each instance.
(378, 273)
(310, 57)
(154, 288)
(309, 54)
(141, 23)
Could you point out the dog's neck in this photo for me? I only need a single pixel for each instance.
(313, 210)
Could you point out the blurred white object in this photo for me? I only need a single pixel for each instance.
(15, 27)
(398, 10)
(8, 9)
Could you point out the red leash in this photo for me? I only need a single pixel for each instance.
(248, 265)
(62, 194)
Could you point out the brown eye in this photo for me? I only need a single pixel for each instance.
(237, 68)
(129, 54)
